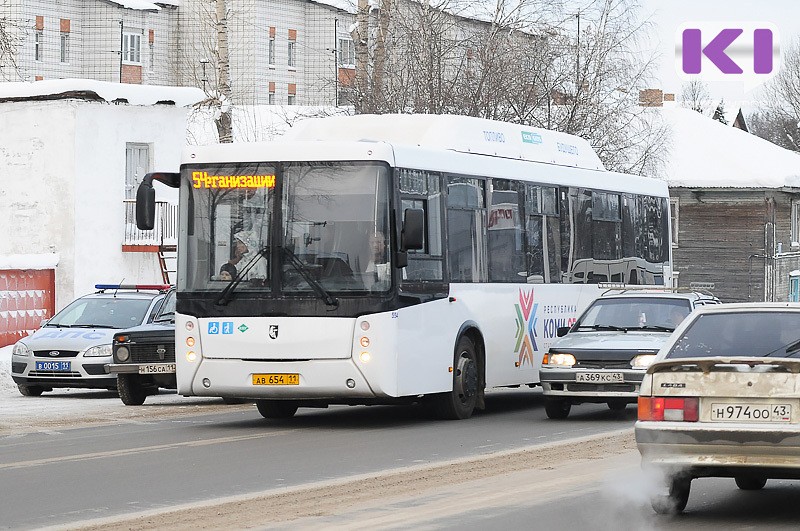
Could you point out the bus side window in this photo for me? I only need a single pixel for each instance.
(422, 190)
(466, 228)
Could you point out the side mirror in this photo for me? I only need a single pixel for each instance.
(561, 331)
(411, 237)
(145, 206)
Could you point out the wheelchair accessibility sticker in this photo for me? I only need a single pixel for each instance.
(226, 327)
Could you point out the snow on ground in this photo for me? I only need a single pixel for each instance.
(64, 408)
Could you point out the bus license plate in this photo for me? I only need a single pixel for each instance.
(276, 379)
(57, 366)
(157, 368)
(752, 412)
(599, 377)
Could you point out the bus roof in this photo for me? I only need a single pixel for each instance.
(457, 133)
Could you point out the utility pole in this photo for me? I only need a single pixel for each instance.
(578, 58)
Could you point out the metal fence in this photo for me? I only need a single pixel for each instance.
(165, 231)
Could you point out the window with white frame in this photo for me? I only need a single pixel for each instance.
(346, 53)
(38, 44)
(271, 52)
(795, 221)
(291, 53)
(132, 48)
(65, 47)
(674, 215)
(137, 164)
(292, 99)
(271, 100)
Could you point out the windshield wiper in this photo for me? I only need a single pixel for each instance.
(605, 327)
(301, 268)
(655, 327)
(790, 347)
(92, 326)
(226, 296)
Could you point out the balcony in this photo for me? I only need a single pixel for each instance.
(163, 237)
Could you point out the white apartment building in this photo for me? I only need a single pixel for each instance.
(282, 52)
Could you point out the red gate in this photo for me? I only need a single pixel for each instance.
(26, 297)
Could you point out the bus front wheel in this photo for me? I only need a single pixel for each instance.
(460, 402)
(276, 409)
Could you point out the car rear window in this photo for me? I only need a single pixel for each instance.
(107, 312)
(737, 334)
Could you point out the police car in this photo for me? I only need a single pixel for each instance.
(73, 348)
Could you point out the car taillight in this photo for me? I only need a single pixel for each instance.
(667, 408)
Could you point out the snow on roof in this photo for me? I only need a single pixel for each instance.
(707, 153)
(139, 5)
(29, 261)
(345, 5)
(100, 90)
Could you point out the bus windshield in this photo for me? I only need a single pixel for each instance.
(333, 234)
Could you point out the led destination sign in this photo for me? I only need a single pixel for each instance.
(201, 179)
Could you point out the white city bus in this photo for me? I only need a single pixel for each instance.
(395, 258)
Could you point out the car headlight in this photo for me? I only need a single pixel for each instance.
(642, 361)
(99, 350)
(122, 354)
(21, 349)
(562, 360)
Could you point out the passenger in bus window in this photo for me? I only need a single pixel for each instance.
(228, 270)
(377, 266)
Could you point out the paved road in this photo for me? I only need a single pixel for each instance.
(67, 476)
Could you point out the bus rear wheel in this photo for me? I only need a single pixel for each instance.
(460, 402)
(276, 409)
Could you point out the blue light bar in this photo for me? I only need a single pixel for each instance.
(159, 287)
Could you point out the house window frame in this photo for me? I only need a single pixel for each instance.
(128, 37)
(64, 43)
(349, 54)
(675, 216)
(795, 230)
(291, 60)
(38, 45)
(271, 52)
(291, 99)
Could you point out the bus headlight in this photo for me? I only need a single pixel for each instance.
(365, 357)
(191, 356)
(562, 360)
(642, 361)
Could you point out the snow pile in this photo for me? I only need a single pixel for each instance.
(29, 261)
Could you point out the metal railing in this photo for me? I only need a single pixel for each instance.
(165, 231)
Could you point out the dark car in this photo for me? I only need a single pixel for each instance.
(144, 356)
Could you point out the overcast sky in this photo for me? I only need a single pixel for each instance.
(668, 15)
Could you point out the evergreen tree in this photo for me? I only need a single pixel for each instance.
(719, 113)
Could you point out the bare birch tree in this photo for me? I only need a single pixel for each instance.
(11, 35)
(520, 61)
(695, 96)
(778, 119)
